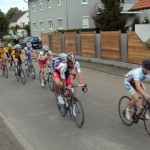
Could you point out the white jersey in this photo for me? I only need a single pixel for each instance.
(42, 54)
(137, 74)
(63, 68)
(28, 51)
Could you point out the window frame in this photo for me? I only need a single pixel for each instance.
(42, 25)
(50, 27)
(40, 5)
(59, 2)
(84, 2)
(34, 26)
(85, 17)
(49, 3)
(33, 7)
(60, 23)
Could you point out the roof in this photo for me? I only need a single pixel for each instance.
(141, 4)
(17, 16)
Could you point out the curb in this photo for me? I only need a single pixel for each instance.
(14, 135)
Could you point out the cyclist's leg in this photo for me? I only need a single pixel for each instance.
(42, 75)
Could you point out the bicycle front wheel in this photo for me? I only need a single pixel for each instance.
(123, 103)
(50, 81)
(22, 76)
(33, 72)
(147, 120)
(77, 112)
(6, 71)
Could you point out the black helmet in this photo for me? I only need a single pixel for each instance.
(146, 64)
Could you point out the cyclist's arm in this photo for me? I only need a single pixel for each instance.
(138, 87)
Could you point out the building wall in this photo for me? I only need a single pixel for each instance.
(24, 20)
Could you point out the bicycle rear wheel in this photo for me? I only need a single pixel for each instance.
(77, 112)
(123, 102)
(147, 121)
(22, 76)
(50, 81)
(33, 72)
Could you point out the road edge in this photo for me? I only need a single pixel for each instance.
(14, 135)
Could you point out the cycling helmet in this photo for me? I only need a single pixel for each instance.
(29, 45)
(1, 45)
(45, 48)
(63, 56)
(9, 45)
(17, 46)
(71, 57)
(146, 64)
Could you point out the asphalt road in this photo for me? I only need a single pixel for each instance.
(32, 112)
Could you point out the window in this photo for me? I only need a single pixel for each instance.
(60, 23)
(85, 21)
(84, 1)
(49, 3)
(40, 5)
(34, 27)
(33, 7)
(58, 2)
(42, 25)
(50, 25)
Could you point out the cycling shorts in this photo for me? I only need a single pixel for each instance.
(42, 63)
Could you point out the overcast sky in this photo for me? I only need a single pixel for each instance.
(5, 5)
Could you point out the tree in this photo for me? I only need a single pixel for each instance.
(4, 24)
(109, 17)
(135, 21)
(11, 12)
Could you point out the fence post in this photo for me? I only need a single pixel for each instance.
(78, 44)
(97, 45)
(62, 42)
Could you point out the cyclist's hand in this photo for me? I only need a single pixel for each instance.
(84, 89)
(147, 97)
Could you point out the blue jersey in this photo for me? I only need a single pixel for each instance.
(55, 62)
(28, 52)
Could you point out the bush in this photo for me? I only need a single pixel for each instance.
(148, 43)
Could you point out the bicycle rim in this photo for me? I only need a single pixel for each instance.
(147, 121)
(22, 76)
(123, 102)
(33, 72)
(50, 81)
(27, 72)
(6, 72)
(77, 112)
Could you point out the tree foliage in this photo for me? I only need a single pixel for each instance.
(4, 24)
(11, 12)
(109, 17)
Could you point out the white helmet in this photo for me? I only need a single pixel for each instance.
(45, 48)
(29, 45)
(17, 46)
(63, 56)
(71, 57)
(9, 45)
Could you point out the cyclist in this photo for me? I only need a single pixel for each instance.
(1, 55)
(17, 54)
(57, 60)
(62, 74)
(133, 84)
(44, 54)
(28, 53)
(8, 53)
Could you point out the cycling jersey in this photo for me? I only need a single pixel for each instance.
(17, 53)
(137, 74)
(55, 62)
(63, 69)
(28, 52)
(42, 54)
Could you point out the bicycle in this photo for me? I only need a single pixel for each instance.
(72, 104)
(4, 67)
(19, 73)
(29, 68)
(123, 103)
(48, 77)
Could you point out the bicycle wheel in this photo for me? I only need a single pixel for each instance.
(40, 76)
(50, 81)
(6, 71)
(27, 72)
(62, 108)
(32, 69)
(147, 121)
(22, 76)
(77, 112)
(123, 102)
